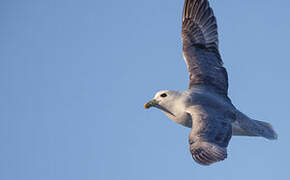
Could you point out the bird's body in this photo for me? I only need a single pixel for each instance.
(201, 96)
(198, 96)
(205, 107)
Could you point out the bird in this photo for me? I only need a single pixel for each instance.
(205, 106)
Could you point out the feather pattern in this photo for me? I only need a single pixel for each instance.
(200, 47)
(210, 134)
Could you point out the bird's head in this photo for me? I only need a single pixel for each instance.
(164, 100)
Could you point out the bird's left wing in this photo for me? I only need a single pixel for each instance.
(210, 134)
(200, 47)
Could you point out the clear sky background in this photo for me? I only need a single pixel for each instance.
(75, 74)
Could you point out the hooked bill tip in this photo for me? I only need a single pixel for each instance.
(146, 106)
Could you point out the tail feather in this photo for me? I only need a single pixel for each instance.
(266, 130)
(245, 126)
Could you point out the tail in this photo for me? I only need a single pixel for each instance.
(266, 130)
(245, 126)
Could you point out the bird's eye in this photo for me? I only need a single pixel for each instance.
(163, 95)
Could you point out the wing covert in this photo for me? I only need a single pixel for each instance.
(210, 135)
(200, 47)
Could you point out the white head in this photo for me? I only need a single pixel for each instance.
(168, 101)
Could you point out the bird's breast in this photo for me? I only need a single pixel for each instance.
(181, 118)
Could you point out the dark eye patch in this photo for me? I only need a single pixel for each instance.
(163, 95)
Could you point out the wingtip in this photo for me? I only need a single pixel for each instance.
(207, 153)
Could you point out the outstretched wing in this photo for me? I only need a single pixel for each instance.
(210, 134)
(200, 47)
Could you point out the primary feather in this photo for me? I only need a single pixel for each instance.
(200, 47)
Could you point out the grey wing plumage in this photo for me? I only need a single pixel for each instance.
(200, 47)
(210, 134)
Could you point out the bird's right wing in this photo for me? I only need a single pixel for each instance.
(210, 134)
(200, 47)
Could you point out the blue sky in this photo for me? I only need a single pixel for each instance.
(75, 74)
